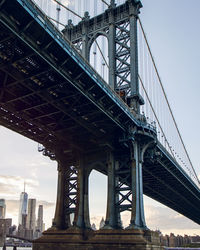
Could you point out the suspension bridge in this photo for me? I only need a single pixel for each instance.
(92, 97)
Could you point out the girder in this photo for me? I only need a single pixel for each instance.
(50, 94)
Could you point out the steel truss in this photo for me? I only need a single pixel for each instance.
(70, 191)
(123, 189)
(119, 25)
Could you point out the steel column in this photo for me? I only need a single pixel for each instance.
(111, 214)
(112, 49)
(61, 219)
(82, 219)
(133, 12)
(137, 215)
(85, 45)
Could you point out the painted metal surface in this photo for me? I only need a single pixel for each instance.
(52, 95)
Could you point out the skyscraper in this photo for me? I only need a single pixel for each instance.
(2, 209)
(102, 223)
(31, 214)
(40, 218)
(22, 207)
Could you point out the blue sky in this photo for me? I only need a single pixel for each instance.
(174, 37)
(172, 29)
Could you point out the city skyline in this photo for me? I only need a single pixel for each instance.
(28, 225)
(178, 68)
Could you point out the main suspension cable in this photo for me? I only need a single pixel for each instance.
(101, 53)
(154, 112)
(56, 21)
(65, 7)
(105, 2)
(167, 100)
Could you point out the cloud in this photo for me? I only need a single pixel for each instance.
(46, 204)
(159, 217)
(167, 219)
(13, 185)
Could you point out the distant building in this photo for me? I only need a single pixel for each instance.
(2, 209)
(40, 219)
(195, 239)
(22, 227)
(13, 230)
(102, 223)
(22, 207)
(31, 214)
(5, 225)
(173, 241)
(94, 227)
(39, 227)
(24, 220)
(21, 231)
(29, 234)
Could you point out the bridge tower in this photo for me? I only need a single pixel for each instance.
(119, 25)
(121, 163)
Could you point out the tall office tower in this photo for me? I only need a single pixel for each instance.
(40, 218)
(22, 207)
(31, 214)
(2, 209)
(102, 223)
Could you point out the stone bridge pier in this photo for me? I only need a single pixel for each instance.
(71, 228)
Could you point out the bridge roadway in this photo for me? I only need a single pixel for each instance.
(49, 94)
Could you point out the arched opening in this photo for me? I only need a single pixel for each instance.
(99, 56)
(124, 203)
(125, 218)
(97, 198)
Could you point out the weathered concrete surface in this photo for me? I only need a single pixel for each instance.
(76, 239)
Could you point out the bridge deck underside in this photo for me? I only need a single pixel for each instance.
(47, 96)
(51, 102)
(165, 182)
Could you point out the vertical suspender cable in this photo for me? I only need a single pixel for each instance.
(160, 82)
(58, 14)
(95, 45)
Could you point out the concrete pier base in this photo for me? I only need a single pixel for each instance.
(76, 239)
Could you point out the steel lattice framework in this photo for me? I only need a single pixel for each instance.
(118, 25)
(49, 93)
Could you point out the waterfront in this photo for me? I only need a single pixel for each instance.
(30, 248)
(18, 248)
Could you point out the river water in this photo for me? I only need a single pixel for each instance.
(29, 248)
(18, 248)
